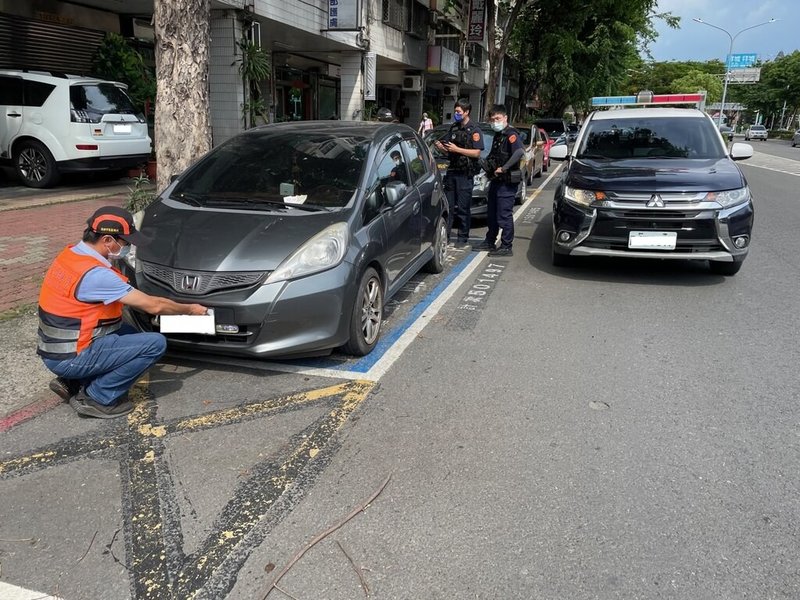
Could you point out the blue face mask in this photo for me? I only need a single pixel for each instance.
(121, 253)
(457, 117)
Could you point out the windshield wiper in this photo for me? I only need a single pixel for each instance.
(244, 201)
(307, 207)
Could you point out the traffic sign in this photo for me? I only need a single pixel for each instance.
(741, 61)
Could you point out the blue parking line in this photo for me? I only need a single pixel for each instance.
(364, 364)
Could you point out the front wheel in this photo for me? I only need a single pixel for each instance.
(725, 268)
(35, 165)
(439, 246)
(367, 315)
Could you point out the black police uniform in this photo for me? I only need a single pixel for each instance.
(458, 181)
(502, 187)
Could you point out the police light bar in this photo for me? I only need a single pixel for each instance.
(646, 99)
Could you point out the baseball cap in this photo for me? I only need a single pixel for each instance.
(112, 220)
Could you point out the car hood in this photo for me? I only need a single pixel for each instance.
(222, 240)
(671, 175)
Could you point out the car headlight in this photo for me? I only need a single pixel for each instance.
(480, 181)
(130, 258)
(323, 251)
(730, 197)
(582, 197)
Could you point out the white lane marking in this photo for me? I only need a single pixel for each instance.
(532, 196)
(12, 592)
(769, 162)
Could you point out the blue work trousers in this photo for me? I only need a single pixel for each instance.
(500, 213)
(458, 189)
(110, 366)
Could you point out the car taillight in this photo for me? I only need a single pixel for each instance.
(86, 146)
(82, 116)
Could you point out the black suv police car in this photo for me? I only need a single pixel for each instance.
(653, 183)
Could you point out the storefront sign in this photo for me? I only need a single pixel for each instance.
(477, 20)
(442, 60)
(342, 14)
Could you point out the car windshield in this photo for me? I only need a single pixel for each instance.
(272, 169)
(648, 137)
(100, 99)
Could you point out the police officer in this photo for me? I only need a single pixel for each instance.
(505, 176)
(463, 143)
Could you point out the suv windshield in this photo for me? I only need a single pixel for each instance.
(98, 99)
(662, 137)
(276, 168)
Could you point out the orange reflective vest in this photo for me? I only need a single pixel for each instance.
(67, 326)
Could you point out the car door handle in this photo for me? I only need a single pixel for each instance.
(416, 207)
(14, 115)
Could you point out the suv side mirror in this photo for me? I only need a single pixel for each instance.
(394, 192)
(559, 152)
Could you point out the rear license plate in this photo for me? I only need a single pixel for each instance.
(652, 240)
(123, 128)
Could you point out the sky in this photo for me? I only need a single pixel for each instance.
(694, 41)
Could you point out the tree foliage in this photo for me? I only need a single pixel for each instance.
(695, 81)
(779, 84)
(570, 50)
(116, 60)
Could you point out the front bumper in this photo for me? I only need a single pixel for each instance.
(305, 317)
(703, 232)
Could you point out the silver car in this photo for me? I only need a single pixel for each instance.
(796, 138)
(755, 132)
(295, 234)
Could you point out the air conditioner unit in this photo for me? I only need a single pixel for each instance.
(450, 90)
(412, 83)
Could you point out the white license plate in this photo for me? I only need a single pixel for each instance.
(652, 240)
(123, 128)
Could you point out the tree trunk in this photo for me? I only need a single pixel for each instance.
(182, 123)
(497, 51)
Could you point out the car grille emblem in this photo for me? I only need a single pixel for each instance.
(655, 202)
(190, 283)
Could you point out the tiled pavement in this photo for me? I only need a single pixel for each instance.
(31, 237)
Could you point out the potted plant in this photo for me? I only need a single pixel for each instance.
(254, 67)
(140, 196)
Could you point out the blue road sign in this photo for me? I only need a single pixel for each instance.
(741, 61)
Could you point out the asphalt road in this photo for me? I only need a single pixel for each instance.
(622, 429)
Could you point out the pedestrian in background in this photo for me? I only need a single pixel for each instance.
(505, 176)
(82, 339)
(425, 124)
(463, 143)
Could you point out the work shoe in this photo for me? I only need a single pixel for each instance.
(65, 388)
(485, 246)
(501, 252)
(462, 245)
(86, 407)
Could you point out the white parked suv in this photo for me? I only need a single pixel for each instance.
(755, 132)
(52, 124)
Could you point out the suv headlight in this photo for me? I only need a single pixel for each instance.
(323, 251)
(582, 197)
(730, 197)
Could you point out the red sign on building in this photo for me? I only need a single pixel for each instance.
(477, 20)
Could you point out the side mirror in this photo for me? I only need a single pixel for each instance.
(741, 151)
(559, 152)
(394, 192)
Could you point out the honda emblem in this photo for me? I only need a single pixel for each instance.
(190, 283)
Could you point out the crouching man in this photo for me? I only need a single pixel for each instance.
(96, 357)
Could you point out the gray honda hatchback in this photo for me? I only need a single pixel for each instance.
(295, 234)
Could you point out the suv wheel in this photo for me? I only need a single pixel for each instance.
(367, 315)
(35, 165)
(725, 268)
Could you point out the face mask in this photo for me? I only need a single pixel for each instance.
(121, 253)
(457, 117)
(397, 162)
(498, 126)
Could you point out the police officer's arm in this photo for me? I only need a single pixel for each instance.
(468, 152)
(513, 159)
(517, 152)
(156, 305)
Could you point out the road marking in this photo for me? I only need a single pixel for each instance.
(12, 592)
(769, 162)
(154, 550)
(468, 311)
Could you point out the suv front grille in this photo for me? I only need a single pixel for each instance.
(612, 228)
(199, 283)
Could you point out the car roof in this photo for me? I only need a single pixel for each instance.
(644, 113)
(46, 76)
(360, 128)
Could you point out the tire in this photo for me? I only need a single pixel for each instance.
(538, 173)
(367, 315)
(524, 187)
(35, 166)
(436, 264)
(545, 166)
(794, 144)
(725, 268)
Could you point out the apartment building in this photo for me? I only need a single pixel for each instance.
(330, 58)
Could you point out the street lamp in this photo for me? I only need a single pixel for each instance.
(727, 58)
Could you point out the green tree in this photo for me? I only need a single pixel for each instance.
(694, 81)
(116, 60)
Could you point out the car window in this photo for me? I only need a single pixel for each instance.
(36, 92)
(385, 171)
(300, 167)
(10, 91)
(416, 158)
(680, 137)
(98, 99)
